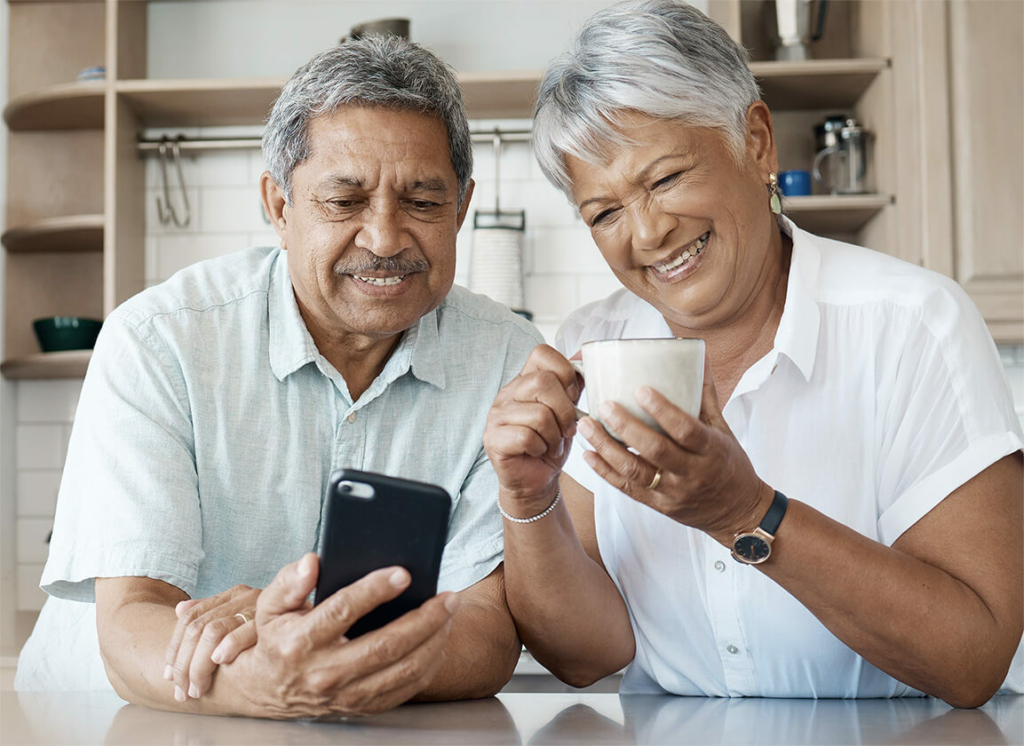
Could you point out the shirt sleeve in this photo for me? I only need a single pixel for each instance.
(128, 503)
(947, 412)
(475, 543)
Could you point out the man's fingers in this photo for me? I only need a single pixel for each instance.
(333, 617)
(399, 681)
(289, 589)
(357, 660)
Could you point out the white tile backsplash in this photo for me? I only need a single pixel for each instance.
(48, 401)
(230, 210)
(30, 597)
(37, 492)
(31, 542)
(39, 446)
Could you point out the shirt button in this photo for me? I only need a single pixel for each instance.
(720, 566)
(733, 649)
(352, 417)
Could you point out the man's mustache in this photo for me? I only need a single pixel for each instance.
(370, 262)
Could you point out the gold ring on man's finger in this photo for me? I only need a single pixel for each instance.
(243, 617)
(655, 480)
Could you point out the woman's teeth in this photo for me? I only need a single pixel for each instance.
(693, 251)
(380, 281)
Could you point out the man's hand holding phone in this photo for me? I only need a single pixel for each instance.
(304, 665)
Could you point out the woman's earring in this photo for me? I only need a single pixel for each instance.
(773, 190)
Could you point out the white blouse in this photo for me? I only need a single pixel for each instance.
(883, 393)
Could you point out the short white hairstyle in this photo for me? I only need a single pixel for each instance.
(661, 58)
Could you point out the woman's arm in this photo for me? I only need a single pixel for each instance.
(567, 610)
(941, 610)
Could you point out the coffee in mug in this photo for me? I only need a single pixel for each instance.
(614, 369)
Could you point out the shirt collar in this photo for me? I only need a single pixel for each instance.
(797, 335)
(292, 346)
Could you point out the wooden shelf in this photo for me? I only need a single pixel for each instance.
(503, 95)
(69, 106)
(70, 364)
(200, 102)
(816, 84)
(834, 214)
(72, 233)
(221, 102)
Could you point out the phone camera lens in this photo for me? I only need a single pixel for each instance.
(346, 487)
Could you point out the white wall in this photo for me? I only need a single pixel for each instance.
(273, 37)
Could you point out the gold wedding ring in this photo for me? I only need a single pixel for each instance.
(655, 480)
(243, 617)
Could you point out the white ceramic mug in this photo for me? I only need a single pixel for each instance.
(614, 369)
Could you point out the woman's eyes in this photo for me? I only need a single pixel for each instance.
(666, 180)
(601, 217)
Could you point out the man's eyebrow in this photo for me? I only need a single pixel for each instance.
(342, 181)
(429, 185)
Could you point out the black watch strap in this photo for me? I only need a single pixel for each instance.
(772, 519)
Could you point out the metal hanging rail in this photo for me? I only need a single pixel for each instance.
(254, 143)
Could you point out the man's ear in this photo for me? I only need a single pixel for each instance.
(275, 205)
(464, 210)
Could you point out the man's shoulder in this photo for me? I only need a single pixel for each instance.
(214, 283)
(464, 313)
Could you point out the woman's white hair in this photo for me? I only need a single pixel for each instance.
(661, 58)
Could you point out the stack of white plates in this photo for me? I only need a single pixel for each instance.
(496, 265)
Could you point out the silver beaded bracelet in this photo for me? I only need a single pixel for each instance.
(537, 517)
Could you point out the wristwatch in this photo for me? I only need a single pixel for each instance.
(755, 547)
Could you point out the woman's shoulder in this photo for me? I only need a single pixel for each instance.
(621, 314)
(874, 283)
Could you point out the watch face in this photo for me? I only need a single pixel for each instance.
(751, 548)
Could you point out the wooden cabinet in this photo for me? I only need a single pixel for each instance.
(946, 111)
(943, 99)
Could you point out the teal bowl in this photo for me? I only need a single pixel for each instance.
(59, 333)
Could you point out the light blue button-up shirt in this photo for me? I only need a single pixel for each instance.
(209, 424)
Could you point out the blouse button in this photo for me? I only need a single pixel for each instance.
(352, 417)
(733, 649)
(720, 566)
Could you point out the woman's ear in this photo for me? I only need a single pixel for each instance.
(761, 139)
(275, 205)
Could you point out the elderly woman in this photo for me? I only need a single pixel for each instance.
(865, 390)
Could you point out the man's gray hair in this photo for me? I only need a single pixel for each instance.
(661, 58)
(376, 70)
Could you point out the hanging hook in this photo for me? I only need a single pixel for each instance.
(497, 172)
(171, 215)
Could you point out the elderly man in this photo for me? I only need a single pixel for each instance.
(217, 404)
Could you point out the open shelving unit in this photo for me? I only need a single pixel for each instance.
(76, 234)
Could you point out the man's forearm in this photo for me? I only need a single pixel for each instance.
(483, 647)
(133, 643)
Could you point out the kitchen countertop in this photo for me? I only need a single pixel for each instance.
(33, 718)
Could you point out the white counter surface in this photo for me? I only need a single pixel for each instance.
(39, 718)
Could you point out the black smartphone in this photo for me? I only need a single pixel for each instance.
(373, 521)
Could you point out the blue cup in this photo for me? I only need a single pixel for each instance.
(795, 183)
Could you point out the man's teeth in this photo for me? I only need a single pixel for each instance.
(697, 247)
(380, 281)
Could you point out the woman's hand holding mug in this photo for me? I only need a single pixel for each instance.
(694, 470)
(530, 429)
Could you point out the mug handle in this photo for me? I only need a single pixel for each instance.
(830, 150)
(578, 367)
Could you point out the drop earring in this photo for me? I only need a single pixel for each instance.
(773, 190)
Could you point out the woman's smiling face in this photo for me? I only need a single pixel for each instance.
(679, 220)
